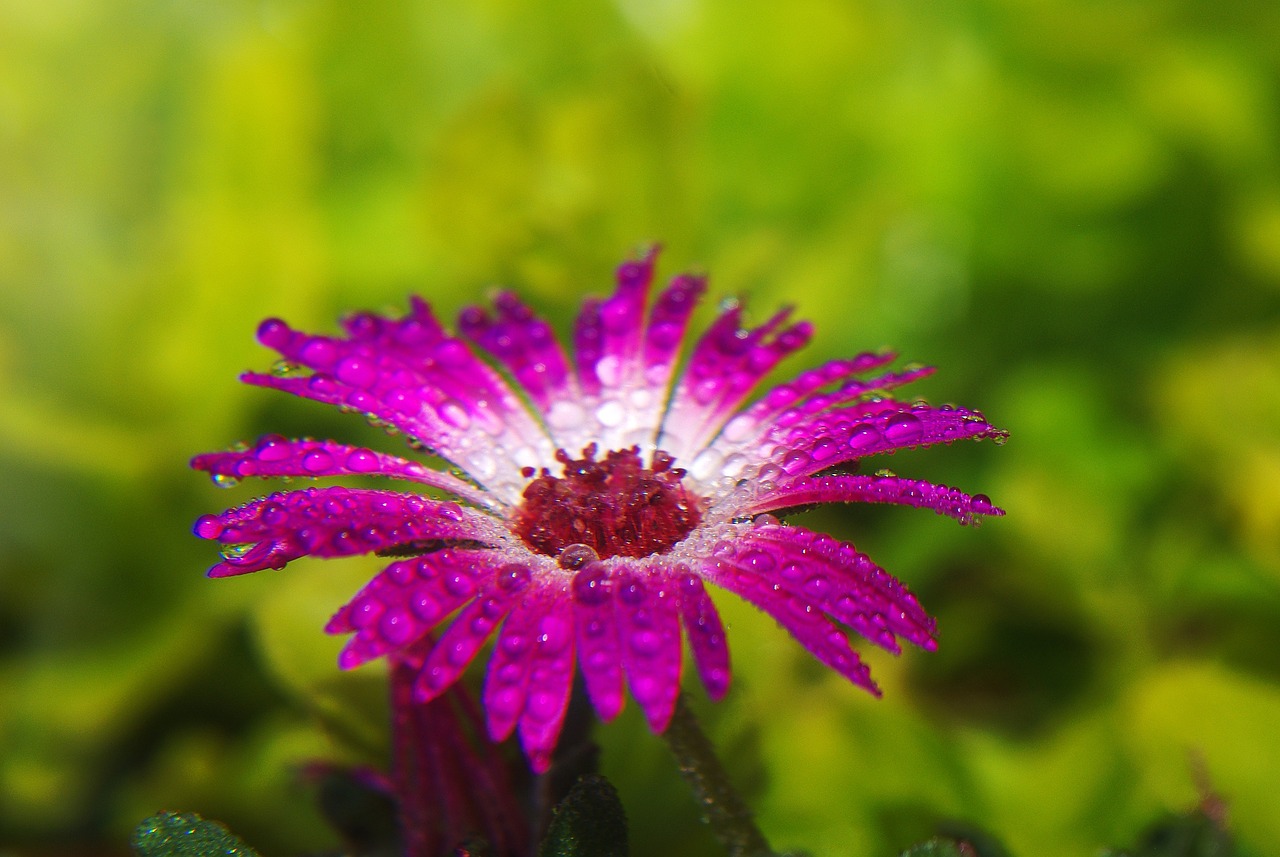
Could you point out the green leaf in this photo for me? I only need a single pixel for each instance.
(171, 834)
(589, 822)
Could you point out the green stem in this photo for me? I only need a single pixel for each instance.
(723, 809)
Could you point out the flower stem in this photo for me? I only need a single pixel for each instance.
(723, 809)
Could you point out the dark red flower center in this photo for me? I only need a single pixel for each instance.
(612, 507)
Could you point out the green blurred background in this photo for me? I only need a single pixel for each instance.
(1072, 208)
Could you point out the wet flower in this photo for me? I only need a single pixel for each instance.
(590, 498)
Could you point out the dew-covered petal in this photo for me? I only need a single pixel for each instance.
(462, 640)
(668, 322)
(649, 633)
(550, 677)
(608, 333)
(599, 649)
(806, 623)
(859, 488)
(409, 374)
(406, 600)
(507, 680)
(276, 456)
(705, 632)
(725, 366)
(836, 578)
(272, 531)
(870, 428)
(526, 345)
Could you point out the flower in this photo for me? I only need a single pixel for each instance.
(592, 497)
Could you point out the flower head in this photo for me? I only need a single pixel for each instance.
(598, 494)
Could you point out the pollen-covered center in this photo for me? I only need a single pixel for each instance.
(615, 506)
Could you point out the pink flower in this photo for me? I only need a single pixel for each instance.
(599, 494)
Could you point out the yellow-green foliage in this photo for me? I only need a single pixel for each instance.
(1072, 208)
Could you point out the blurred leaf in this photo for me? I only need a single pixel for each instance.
(938, 848)
(589, 822)
(170, 834)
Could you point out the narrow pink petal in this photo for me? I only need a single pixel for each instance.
(274, 455)
(608, 333)
(406, 600)
(506, 683)
(409, 374)
(649, 628)
(858, 488)
(668, 321)
(462, 640)
(705, 631)
(836, 578)
(525, 344)
(599, 650)
(808, 625)
(871, 428)
(272, 531)
(725, 366)
(550, 680)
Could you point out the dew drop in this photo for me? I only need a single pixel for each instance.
(609, 370)
(980, 503)
(610, 413)
(361, 461)
(224, 480)
(566, 415)
(235, 552)
(317, 461)
(208, 527)
(739, 428)
(706, 464)
(575, 556)
(454, 414)
(903, 428)
(863, 437)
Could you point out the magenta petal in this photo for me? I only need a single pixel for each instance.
(705, 631)
(325, 522)
(814, 631)
(649, 628)
(836, 578)
(550, 681)
(506, 682)
(461, 641)
(277, 456)
(834, 437)
(798, 391)
(846, 488)
(607, 335)
(599, 650)
(725, 366)
(405, 600)
(525, 344)
(668, 321)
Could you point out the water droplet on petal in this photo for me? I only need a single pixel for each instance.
(361, 461)
(903, 428)
(234, 552)
(575, 556)
(317, 461)
(610, 413)
(454, 414)
(224, 480)
(208, 527)
(609, 370)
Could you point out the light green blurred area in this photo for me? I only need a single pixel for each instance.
(1073, 209)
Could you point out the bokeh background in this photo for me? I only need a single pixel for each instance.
(1072, 208)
